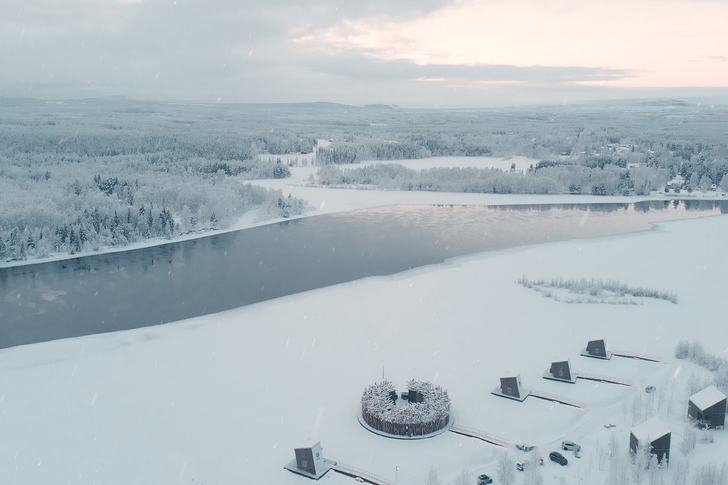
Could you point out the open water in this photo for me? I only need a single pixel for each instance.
(143, 287)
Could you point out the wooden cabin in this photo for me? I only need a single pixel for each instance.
(561, 371)
(511, 388)
(310, 459)
(707, 408)
(656, 434)
(597, 349)
(309, 462)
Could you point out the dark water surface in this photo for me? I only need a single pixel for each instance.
(144, 287)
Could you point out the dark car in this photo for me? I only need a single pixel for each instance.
(558, 458)
(484, 480)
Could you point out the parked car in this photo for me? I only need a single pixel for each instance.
(484, 480)
(520, 466)
(558, 458)
(570, 446)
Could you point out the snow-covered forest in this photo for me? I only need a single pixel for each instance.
(96, 174)
(610, 150)
(82, 175)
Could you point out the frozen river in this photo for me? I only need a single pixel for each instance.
(161, 284)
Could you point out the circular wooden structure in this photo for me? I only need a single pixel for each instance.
(422, 411)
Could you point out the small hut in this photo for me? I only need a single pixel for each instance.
(560, 371)
(511, 388)
(707, 407)
(415, 396)
(596, 349)
(653, 433)
(310, 462)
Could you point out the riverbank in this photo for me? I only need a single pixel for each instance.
(329, 201)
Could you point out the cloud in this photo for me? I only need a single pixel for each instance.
(714, 58)
(362, 67)
(298, 50)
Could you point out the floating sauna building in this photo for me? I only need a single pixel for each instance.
(707, 407)
(310, 461)
(561, 371)
(596, 349)
(422, 411)
(511, 388)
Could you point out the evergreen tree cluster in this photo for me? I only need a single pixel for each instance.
(549, 179)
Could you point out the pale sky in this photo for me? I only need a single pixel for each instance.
(419, 53)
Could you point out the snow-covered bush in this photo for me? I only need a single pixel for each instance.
(596, 290)
(695, 352)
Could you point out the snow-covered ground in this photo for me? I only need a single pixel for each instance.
(501, 163)
(225, 398)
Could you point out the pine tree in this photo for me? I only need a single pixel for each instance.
(506, 470)
(72, 241)
(432, 478)
(3, 248)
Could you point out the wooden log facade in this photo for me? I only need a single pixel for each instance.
(426, 410)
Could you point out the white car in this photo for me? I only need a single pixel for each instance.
(570, 446)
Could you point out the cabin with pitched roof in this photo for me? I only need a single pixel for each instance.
(653, 433)
(560, 371)
(707, 408)
(511, 388)
(597, 349)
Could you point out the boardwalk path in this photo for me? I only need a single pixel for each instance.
(480, 435)
(359, 473)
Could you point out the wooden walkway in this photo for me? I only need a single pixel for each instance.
(359, 473)
(559, 399)
(632, 355)
(480, 435)
(607, 379)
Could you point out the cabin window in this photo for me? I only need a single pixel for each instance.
(509, 389)
(305, 464)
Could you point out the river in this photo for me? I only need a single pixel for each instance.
(160, 284)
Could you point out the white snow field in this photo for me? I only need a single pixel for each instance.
(501, 163)
(224, 398)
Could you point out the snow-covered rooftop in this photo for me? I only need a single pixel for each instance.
(309, 444)
(650, 430)
(707, 397)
